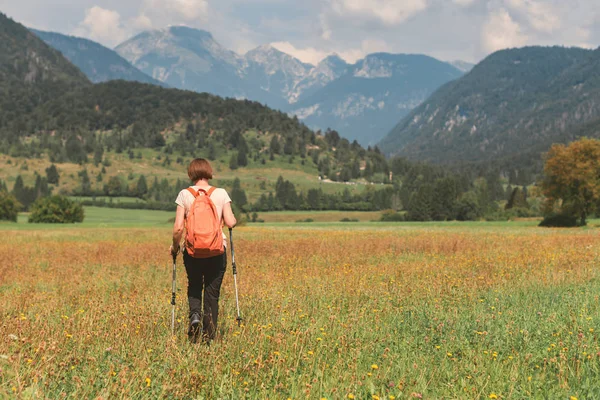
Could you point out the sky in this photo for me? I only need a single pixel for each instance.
(449, 30)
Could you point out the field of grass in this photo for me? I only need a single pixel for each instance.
(335, 311)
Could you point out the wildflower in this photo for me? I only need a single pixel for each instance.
(148, 380)
(375, 397)
(374, 366)
(449, 354)
(350, 396)
(392, 397)
(493, 396)
(572, 398)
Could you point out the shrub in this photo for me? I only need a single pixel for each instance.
(56, 210)
(348, 220)
(305, 220)
(512, 213)
(9, 207)
(559, 221)
(391, 216)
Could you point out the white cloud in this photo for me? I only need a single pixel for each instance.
(141, 22)
(388, 12)
(542, 17)
(183, 10)
(501, 32)
(367, 46)
(102, 25)
(308, 55)
(464, 3)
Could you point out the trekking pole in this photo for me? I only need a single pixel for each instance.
(234, 268)
(173, 294)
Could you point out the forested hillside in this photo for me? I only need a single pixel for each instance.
(511, 107)
(31, 73)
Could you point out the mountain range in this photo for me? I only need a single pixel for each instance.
(515, 102)
(98, 63)
(371, 96)
(362, 101)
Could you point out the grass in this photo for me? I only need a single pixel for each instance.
(332, 310)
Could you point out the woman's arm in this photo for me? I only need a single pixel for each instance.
(177, 230)
(228, 216)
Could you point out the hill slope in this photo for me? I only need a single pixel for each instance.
(98, 63)
(30, 73)
(517, 101)
(372, 95)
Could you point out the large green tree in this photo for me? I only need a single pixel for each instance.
(572, 178)
(9, 207)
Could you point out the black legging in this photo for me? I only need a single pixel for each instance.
(205, 275)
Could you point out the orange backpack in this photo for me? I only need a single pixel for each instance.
(204, 236)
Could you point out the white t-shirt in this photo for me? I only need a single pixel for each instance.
(219, 197)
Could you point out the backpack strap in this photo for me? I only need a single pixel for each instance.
(193, 192)
(196, 193)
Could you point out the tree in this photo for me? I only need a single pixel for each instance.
(86, 185)
(242, 157)
(420, 208)
(114, 186)
(517, 200)
(467, 208)
(142, 186)
(56, 209)
(52, 175)
(238, 196)
(275, 147)
(9, 207)
(25, 195)
(572, 178)
(233, 162)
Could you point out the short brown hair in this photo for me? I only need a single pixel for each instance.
(200, 169)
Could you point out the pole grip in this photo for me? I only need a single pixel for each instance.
(233, 265)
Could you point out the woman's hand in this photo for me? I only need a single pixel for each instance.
(173, 250)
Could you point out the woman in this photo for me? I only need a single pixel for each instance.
(204, 274)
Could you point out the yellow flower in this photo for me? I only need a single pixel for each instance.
(493, 396)
(572, 398)
(375, 397)
(392, 397)
(148, 382)
(374, 366)
(449, 354)
(350, 396)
